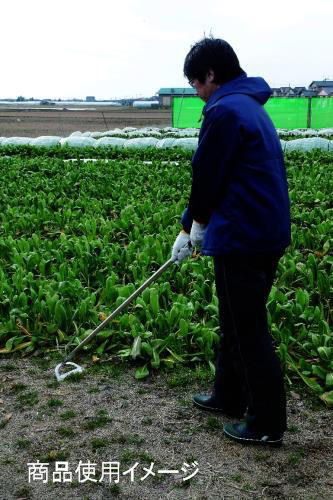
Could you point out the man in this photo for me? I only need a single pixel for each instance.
(239, 213)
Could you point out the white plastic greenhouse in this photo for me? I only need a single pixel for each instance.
(167, 137)
(146, 104)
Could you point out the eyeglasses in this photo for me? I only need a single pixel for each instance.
(191, 83)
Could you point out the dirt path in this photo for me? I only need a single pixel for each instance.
(108, 416)
(38, 122)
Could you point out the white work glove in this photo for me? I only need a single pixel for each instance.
(197, 233)
(181, 249)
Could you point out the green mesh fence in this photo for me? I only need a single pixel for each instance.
(186, 112)
(285, 112)
(321, 112)
(288, 112)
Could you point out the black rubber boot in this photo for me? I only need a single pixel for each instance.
(210, 403)
(243, 433)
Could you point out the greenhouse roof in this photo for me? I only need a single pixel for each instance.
(177, 91)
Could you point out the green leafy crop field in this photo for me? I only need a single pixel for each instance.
(77, 238)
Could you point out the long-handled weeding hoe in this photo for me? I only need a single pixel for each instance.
(79, 369)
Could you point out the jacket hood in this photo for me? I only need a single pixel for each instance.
(255, 87)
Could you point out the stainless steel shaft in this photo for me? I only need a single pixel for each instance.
(120, 308)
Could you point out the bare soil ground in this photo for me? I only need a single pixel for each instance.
(21, 122)
(108, 416)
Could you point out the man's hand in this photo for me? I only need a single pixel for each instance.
(181, 248)
(197, 233)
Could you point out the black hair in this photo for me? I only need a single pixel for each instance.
(212, 54)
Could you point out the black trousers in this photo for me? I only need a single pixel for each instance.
(248, 371)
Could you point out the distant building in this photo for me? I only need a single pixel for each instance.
(165, 94)
(326, 91)
(324, 86)
(126, 102)
(287, 92)
(90, 98)
(309, 93)
(276, 91)
(47, 102)
(298, 91)
(293, 92)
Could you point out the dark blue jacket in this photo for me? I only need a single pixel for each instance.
(239, 184)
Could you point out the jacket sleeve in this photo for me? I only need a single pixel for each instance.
(186, 220)
(213, 161)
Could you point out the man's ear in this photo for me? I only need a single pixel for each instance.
(210, 76)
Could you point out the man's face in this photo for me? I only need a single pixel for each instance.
(206, 89)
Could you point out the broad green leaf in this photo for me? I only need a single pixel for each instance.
(147, 348)
(136, 348)
(319, 372)
(169, 361)
(325, 353)
(212, 367)
(174, 313)
(22, 346)
(183, 327)
(146, 295)
(329, 379)
(9, 344)
(23, 300)
(60, 313)
(155, 362)
(101, 348)
(327, 397)
(61, 335)
(105, 334)
(141, 372)
(154, 301)
(177, 357)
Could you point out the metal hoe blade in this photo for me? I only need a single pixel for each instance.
(62, 376)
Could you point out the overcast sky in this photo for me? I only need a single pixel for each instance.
(114, 49)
